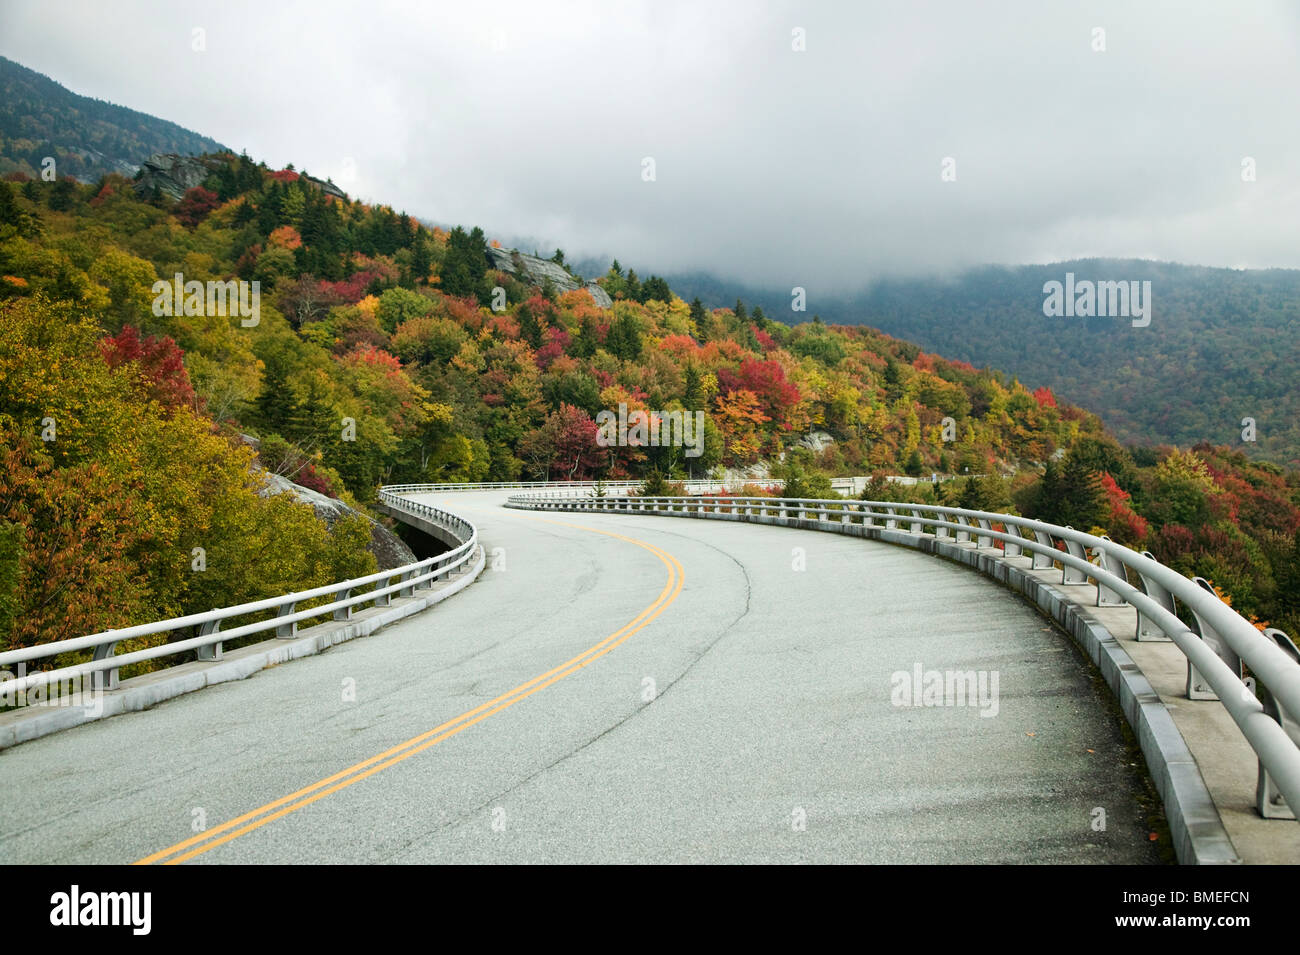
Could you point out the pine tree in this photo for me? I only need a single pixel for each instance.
(584, 343)
(529, 328)
(693, 388)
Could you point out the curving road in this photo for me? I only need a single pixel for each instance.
(622, 689)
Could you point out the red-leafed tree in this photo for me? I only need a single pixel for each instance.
(564, 447)
(160, 363)
(766, 380)
(1123, 523)
(195, 206)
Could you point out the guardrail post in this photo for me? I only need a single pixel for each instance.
(1073, 575)
(962, 536)
(917, 526)
(1197, 686)
(211, 651)
(983, 540)
(343, 613)
(1010, 548)
(1043, 561)
(286, 631)
(890, 522)
(408, 591)
(1105, 596)
(104, 679)
(1268, 798)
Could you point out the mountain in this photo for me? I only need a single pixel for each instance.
(1222, 344)
(88, 138)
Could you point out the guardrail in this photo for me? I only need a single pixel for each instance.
(104, 665)
(693, 486)
(1216, 648)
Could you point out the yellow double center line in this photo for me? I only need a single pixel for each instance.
(219, 835)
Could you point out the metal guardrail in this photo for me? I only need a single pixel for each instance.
(694, 486)
(1216, 647)
(104, 665)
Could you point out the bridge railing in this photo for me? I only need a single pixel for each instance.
(1265, 705)
(104, 665)
(693, 486)
(614, 488)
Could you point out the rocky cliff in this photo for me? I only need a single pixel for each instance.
(173, 175)
(535, 271)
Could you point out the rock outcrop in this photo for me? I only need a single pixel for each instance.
(535, 271)
(387, 547)
(816, 441)
(173, 175)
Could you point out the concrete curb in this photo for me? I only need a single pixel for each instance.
(1197, 829)
(143, 692)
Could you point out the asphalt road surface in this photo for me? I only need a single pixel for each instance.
(624, 689)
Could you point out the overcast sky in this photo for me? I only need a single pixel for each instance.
(820, 168)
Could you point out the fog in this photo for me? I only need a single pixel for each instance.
(821, 167)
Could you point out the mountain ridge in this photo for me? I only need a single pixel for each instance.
(87, 137)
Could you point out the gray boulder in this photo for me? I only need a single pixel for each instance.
(816, 441)
(534, 271)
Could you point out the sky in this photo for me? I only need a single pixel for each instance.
(820, 144)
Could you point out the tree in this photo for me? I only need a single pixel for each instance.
(914, 465)
(656, 289)
(195, 206)
(699, 317)
(1072, 495)
(464, 264)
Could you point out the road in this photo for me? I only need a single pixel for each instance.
(622, 689)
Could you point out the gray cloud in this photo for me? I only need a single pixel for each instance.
(818, 168)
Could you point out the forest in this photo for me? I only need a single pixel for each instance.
(387, 351)
(1221, 345)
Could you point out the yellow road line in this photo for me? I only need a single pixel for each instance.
(285, 805)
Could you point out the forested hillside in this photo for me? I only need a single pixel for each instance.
(1222, 344)
(383, 351)
(87, 138)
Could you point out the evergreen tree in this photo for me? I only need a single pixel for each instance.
(632, 286)
(63, 194)
(693, 388)
(465, 263)
(530, 328)
(584, 343)
(698, 316)
(656, 289)
(421, 261)
(914, 464)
